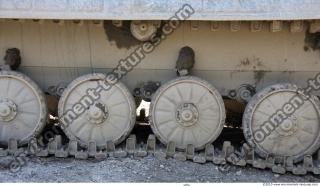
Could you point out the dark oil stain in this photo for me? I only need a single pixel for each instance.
(245, 62)
(312, 41)
(120, 35)
(253, 63)
(258, 76)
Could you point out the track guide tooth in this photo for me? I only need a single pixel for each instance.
(141, 151)
(289, 164)
(32, 147)
(131, 144)
(218, 157)
(73, 147)
(58, 149)
(116, 153)
(151, 144)
(190, 151)
(209, 151)
(93, 152)
(42, 150)
(248, 153)
(308, 164)
(92, 149)
(54, 144)
(110, 148)
(12, 146)
(227, 148)
(171, 149)
(279, 168)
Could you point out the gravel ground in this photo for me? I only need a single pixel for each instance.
(147, 169)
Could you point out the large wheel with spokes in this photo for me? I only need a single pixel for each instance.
(92, 110)
(281, 121)
(187, 110)
(23, 109)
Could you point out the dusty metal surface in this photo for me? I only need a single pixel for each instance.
(54, 52)
(160, 9)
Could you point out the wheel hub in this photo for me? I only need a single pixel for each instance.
(187, 114)
(288, 126)
(143, 30)
(97, 113)
(8, 110)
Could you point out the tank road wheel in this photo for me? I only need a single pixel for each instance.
(90, 112)
(281, 121)
(187, 110)
(23, 109)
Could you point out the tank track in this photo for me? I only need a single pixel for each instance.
(224, 156)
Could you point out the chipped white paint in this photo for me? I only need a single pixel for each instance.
(161, 9)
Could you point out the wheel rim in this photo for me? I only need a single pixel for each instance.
(281, 135)
(187, 110)
(23, 109)
(111, 117)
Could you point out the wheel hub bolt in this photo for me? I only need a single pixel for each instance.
(143, 27)
(186, 115)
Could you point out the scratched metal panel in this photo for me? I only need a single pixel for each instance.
(161, 9)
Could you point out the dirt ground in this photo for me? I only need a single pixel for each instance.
(148, 169)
